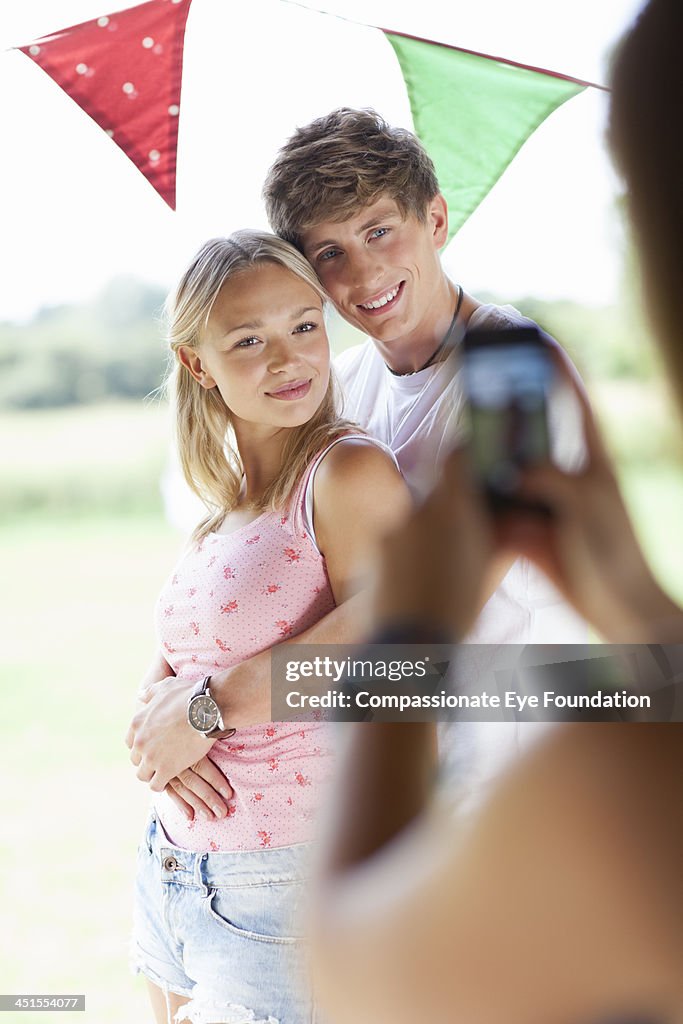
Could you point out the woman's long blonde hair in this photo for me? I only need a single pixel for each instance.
(206, 443)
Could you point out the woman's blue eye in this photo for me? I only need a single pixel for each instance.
(305, 328)
(247, 343)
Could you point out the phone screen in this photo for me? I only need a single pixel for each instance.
(508, 375)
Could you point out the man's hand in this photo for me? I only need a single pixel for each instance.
(161, 740)
(201, 791)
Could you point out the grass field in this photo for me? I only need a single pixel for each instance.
(77, 623)
(86, 460)
(76, 613)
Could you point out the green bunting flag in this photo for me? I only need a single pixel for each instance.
(473, 113)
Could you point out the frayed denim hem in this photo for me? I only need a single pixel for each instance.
(197, 1012)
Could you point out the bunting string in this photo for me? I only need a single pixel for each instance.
(472, 111)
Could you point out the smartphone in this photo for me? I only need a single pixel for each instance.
(508, 376)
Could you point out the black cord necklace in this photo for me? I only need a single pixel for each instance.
(442, 343)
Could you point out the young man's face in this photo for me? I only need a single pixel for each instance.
(382, 270)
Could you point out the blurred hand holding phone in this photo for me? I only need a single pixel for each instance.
(514, 388)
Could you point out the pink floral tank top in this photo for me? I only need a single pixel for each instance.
(230, 597)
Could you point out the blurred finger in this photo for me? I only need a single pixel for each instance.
(457, 478)
(457, 465)
(550, 486)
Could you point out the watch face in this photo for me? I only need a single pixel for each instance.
(203, 713)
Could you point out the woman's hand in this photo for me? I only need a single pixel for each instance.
(589, 549)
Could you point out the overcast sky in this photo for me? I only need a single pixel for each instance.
(74, 211)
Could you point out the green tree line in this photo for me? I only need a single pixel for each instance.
(113, 346)
(68, 355)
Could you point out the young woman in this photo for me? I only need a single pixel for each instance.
(297, 501)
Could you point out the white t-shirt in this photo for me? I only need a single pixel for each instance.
(419, 416)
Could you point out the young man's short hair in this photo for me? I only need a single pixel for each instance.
(342, 162)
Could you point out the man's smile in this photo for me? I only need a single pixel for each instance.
(383, 301)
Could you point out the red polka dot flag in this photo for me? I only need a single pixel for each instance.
(125, 71)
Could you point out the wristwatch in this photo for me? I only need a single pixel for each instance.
(204, 715)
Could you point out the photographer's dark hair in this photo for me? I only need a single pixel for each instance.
(647, 144)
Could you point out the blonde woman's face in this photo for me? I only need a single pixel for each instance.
(265, 348)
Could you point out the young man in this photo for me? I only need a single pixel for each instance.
(361, 200)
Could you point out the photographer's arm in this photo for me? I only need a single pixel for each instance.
(572, 864)
(435, 574)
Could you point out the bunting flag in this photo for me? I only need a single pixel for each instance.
(473, 113)
(125, 71)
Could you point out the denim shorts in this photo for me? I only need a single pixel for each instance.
(224, 929)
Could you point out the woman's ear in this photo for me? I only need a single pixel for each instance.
(192, 362)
